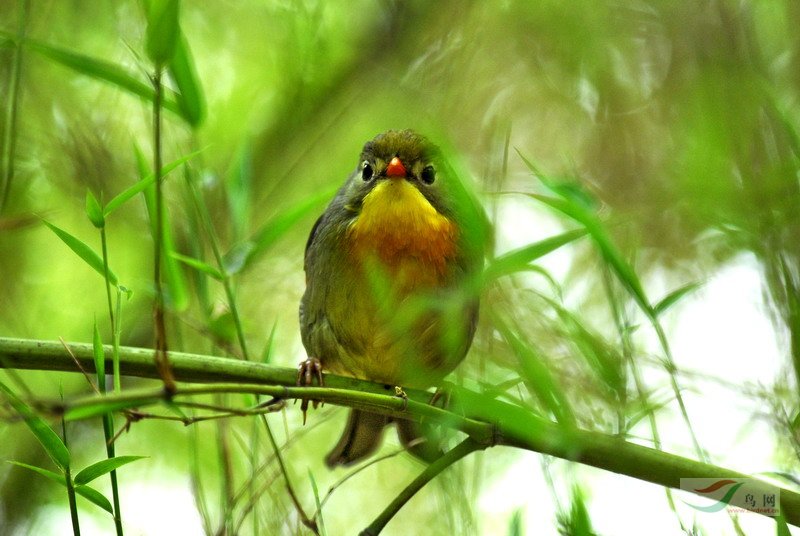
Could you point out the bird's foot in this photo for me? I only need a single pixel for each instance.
(441, 397)
(307, 372)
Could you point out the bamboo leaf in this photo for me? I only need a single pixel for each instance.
(89, 493)
(163, 30)
(94, 211)
(83, 251)
(190, 93)
(198, 265)
(577, 521)
(95, 68)
(515, 526)
(50, 475)
(102, 467)
(52, 444)
(178, 294)
(142, 166)
(242, 256)
(222, 327)
(317, 503)
(569, 190)
(623, 270)
(101, 70)
(144, 182)
(674, 297)
(537, 376)
(266, 355)
(601, 357)
(644, 408)
(95, 497)
(238, 188)
(519, 259)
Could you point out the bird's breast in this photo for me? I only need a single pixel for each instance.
(399, 227)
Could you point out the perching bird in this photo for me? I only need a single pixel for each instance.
(390, 295)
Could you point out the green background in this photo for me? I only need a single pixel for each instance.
(674, 124)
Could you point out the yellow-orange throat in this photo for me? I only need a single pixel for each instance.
(399, 225)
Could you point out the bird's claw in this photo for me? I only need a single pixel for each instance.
(307, 372)
(441, 398)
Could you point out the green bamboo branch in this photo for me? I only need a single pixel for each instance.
(486, 420)
(108, 420)
(73, 504)
(27, 354)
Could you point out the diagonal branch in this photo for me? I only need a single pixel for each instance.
(464, 448)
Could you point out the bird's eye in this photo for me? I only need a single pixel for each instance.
(428, 175)
(366, 171)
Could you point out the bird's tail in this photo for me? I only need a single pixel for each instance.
(361, 437)
(363, 432)
(420, 439)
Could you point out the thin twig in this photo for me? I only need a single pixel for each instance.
(226, 470)
(353, 473)
(621, 322)
(308, 522)
(463, 449)
(161, 356)
(255, 494)
(227, 284)
(197, 484)
(265, 487)
(80, 367)
(224, 413)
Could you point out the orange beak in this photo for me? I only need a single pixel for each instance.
(395, 168)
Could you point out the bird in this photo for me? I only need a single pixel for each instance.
(391, 268)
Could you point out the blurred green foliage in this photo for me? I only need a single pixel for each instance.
(668, 129)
